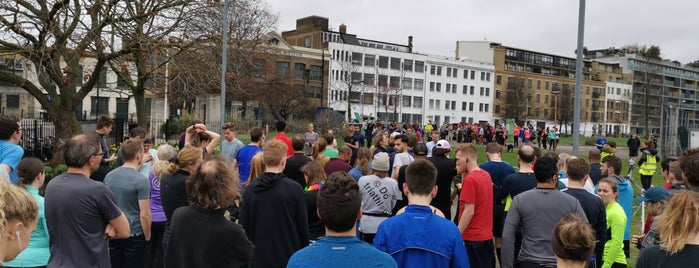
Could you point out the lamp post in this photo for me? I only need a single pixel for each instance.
(555, 92)
(529, 98)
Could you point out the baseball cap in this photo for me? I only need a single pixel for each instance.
(380, 162)
(394, 134)
(443, 144)
(654, 194)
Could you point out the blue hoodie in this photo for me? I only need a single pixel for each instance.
(625, 200)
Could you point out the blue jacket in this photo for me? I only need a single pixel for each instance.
(419, 238)
(626, 201)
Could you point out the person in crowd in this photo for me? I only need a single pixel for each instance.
(552, 139)
(380, 143)
(19, 214)
(331, 150)
(273, 211)
(476, 207)
(166, 155)
(401, 157)
(315, 179)
(340, 163)
(379, 196)
(183, 135)
(432, 143)
(81, 212)
(319, 152)
(595, 167)
(135, 133)
(573, 242)
(103, 127)
(634, 144)
(358, 135)
(417, 235)
(296, 161)
(280, 126)
(656, 199)
(647, 163)
(498, 171)
(368, 130)
(595, 211)
(10, 152)
(230, 146)
(616, 223)
(419, 152)
(150, 155)
(689, 163)
(363, 163)
(200, 235)
(446, 171)
(679, 234)
(352, 142)
(543, 137)
(675, 178)
(310, 138)
(608, 149)
(536, 212)
(31, 178)
(199, 136)
(517, 183)
(601, 141)
(132, 193)
(339, 206)
(257, 167)
(257, 138)
(609, 168)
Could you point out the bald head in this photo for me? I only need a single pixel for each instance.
(527, 154)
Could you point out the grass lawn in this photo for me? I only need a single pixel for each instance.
(511, 157)
(620, 142)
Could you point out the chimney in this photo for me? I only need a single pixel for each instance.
(410, 44)
(343, 28)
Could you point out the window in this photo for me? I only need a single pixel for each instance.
(465, 74)
(453, 105)
(258, 66)
(446, 105)
(383, 80)
(480, 107)
(431, 86)
(463, 106)
(395, 63)
(487, 77)
(102, 82)
(538, 84)
(498, 79)
(369, 79)
(439, 70)
(546, 85)
(307, 41)
(406, 101)
(482, 76)
(482, 91)
(497, 94)
(282, 68)
(473, 75)
(546, 99)
(487, 92)
(497, 108)
(100, 105)
(357, 78)
(419, 84)
(538, 98)
(394, 82)
(299, 71)
(439, 87)
(529, 83)
(357, 58)
(473, 88)
(417, 102)
(120, 82)
(369, 60)
(618, 91)
(433, 69)
(12, 101)
(470, 106)
(448, 88)
(431, 104)
(420, 66)
(437, 104)
(316, 73)
(454, 72)
(486, 107)
(407, 83)
(464, 90)
(383, 62)
(408, 65)
(448, 71)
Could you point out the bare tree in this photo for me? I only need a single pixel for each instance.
(648, 79)
(349, 79)
(516, 98)
(54, 36)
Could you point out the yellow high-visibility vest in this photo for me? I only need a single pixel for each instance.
(648, 168)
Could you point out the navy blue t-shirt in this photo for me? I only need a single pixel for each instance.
(515, 184)
(498, 171)
(596, 214)
(595, 173)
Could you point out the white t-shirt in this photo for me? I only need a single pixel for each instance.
(379, 196)
(402, 159)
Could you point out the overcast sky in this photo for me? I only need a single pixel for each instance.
(539, 25)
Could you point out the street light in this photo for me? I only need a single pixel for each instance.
(555, 91)
(529, 98)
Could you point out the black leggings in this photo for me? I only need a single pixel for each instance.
(645, 181)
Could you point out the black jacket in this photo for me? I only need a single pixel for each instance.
(273, 213)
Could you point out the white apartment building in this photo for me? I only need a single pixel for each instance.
(392, 83)
(618, 98)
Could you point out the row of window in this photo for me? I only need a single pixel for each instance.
(453, 72)
(452, 88)
(384, 62)
(11, 101)
(315, 73)
(451, 105)
(610, 90)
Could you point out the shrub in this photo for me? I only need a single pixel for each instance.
(589, 141)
